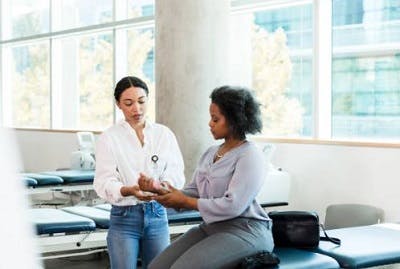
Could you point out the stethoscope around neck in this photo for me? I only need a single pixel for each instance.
(156, 173)
(154, 159)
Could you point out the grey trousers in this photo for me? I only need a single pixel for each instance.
(217, 245)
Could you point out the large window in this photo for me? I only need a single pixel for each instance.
(280, 63)
(321, 69)
(27, 87)
(355, 94)
(83, 81)
(69, 14)
(60, 60)
(282, 69)
(366, 69)
(20, 18)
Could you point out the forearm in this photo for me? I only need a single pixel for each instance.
(190, 203)
(127, 191)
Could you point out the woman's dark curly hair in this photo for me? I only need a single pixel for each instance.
(126, 83)
(240, 108)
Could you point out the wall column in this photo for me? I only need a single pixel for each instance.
(191, 60)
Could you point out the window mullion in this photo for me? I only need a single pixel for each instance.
(322, 68)
(1, 69)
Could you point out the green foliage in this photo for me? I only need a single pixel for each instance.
(31, 89)
(272, 68)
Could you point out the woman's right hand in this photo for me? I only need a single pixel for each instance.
(137, 192)
(151, 185)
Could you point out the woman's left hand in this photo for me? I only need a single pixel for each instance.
(174, 198)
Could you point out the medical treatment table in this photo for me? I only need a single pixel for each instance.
(28, 181)
(60, 188)
(43, 180)
(52, 221)
(174, 216)
(74, 234)
(78, 228)
(58, 181)
(361, 247)
(82, 228)
(73, 176)
(364, 246)
(291, 258)
(62, 234)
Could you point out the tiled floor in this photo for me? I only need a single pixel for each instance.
(100, 261)
(92, 261)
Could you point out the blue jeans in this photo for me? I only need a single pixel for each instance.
(142, 226)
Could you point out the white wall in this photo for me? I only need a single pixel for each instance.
(42, 150)
(327, 174)
(321, 174)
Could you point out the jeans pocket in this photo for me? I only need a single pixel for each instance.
(159, 210)
(118, 211)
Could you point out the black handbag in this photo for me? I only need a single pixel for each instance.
(299, 229)
(262, 259)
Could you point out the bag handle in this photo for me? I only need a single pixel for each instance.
(334, 240)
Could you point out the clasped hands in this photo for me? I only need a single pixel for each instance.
(162, 192)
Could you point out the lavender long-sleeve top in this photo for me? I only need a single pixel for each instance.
(227, 188)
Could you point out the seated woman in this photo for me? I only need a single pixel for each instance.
(223, 189)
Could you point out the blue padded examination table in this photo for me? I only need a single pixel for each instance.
(44, 180)
(173, 215)
(183, 216)
(50, 221)
(291, 258)
(100, 217)
(73, 176)
(364, 246)
(106, 207)
(101, 214)
(29, 182)
(361, 247)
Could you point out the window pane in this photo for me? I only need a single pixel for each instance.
(27, 87)
(140, 8)
(140, 61)
(83, 82)
(282, 69)
(69, 14)
(129, 9)
(364, 22)
(21, 18)
(366, 69)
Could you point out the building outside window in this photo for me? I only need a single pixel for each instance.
(366, 69)
(365, 91)
(61, 59)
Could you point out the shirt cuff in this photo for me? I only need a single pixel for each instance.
(116, 192)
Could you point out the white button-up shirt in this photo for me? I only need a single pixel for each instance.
(120, 158)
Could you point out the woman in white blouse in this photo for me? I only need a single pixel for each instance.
(223, 189)
(135, 145)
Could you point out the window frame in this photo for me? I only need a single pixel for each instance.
(113, 26)
(322, 42)
(322, 55)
